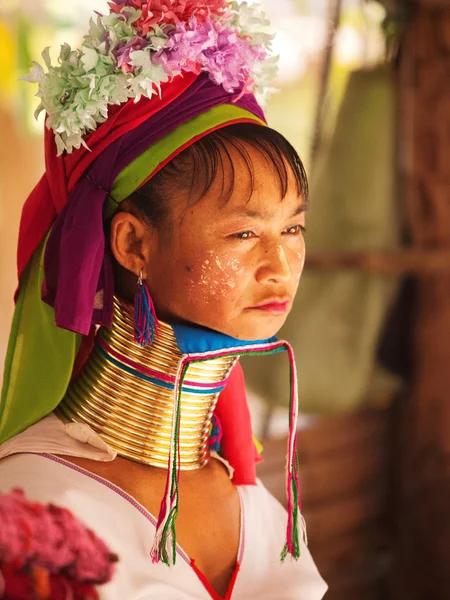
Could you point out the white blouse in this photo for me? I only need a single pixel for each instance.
(128, 529)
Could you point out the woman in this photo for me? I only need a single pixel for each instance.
(163, 242)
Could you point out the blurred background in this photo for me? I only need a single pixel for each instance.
(364, 97)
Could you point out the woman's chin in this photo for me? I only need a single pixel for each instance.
(249, 326)
(256, 329)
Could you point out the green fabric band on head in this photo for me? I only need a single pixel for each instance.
(134, 174)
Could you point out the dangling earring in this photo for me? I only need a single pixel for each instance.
(145, 319)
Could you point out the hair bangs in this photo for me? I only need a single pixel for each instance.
(200, 165)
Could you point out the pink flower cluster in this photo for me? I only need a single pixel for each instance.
(51, 538)
(169, 12)
(210, 46)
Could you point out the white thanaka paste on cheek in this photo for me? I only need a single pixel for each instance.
(217, 276)
(226, 264)
(229, 268)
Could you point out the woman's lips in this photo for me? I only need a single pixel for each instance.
(276, 308)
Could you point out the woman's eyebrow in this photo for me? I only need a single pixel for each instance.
(301, 208)
(256, 214)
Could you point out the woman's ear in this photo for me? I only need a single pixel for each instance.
(130, 242)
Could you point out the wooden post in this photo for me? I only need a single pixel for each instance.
(422, 560)
(334, 16)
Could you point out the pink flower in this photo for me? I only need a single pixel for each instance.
(169, 12)
(51, 538)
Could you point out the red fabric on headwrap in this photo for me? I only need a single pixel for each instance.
(50, 195)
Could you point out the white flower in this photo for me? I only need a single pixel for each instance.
(157, 38)
(148, 82)
(89, 58)
(251, 20)
(141, 59)
(35, 75)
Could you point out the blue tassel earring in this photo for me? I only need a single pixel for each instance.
(145, 319)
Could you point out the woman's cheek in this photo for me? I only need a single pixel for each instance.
(215, 277)
(299, 264)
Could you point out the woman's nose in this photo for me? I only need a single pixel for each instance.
(274, 266)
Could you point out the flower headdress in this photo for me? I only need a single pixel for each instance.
(144, 43)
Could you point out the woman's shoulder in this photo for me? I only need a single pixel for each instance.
(46, 479)
(30, 472)
(49, 479)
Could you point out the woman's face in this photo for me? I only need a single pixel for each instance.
(231, 266)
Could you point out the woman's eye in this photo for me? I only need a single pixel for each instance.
(295, 230)
(244, 235)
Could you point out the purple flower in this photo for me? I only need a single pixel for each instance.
(123, 51)
(213, 47)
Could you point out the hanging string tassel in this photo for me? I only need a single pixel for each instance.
(146, 323)
(215, 436)
(164, 547)
(292, 545)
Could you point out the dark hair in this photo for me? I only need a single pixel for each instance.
(200, 164)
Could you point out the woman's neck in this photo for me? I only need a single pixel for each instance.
(126, 394)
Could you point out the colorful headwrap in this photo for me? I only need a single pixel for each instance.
(150, 79)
